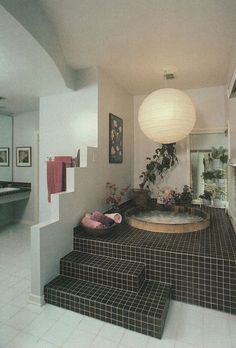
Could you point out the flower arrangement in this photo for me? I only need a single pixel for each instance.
(115, 195)
(168, 196)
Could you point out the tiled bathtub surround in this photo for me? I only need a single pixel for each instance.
(200, 266)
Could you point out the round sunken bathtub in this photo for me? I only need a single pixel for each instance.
(177, 219)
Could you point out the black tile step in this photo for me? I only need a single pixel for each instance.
(121, 274)
(144, 311)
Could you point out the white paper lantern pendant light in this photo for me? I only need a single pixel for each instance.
(167, 115)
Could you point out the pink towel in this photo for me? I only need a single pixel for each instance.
(54, 177)
(100, 217)
(87, 222)
(65, 159)
(115, 217)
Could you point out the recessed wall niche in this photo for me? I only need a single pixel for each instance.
(209, 155)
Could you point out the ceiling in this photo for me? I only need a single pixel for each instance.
(135, 40)
(26, 70)
(132, 40)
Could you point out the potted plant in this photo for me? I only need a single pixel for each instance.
(218, 195)
(115, 196)
(163, 159)
(218, 155)
(220, 177)
(185, 197)
(206, 197)
(224, 156)
(208, 176)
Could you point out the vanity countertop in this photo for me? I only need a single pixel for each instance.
(14, 191)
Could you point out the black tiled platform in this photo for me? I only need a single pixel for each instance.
(144, 311)
(107, 271)
(200, 266)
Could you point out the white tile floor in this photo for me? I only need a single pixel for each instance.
(23, 325)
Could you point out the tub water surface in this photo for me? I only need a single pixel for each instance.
(176, 220)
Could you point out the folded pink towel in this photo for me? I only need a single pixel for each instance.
(100, 217)
(115, 217)
(87, 222)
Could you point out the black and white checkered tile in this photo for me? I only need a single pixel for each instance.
(200, 266)
(125, 278)
(107, 271)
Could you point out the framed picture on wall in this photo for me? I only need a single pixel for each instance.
(115, 139)
(4, 156)
(23, 156)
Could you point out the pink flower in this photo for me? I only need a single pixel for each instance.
(168, 196)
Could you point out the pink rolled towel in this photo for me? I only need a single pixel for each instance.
(100, 217)
(88, 222)
(115, 217)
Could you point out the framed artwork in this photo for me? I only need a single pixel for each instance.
(23, 156)
(115, 139)
(4, 156)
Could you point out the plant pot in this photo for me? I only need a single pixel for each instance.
(141, 198)
(217, 164)
(220, 182)
(208, 181)
(217, 202)
(206, 201)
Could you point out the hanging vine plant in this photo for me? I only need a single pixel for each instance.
(163, 159)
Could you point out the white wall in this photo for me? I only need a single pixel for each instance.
(52, 238)
(68, 122)
(232, 170)
(232, 123)
(210, 107)
(115, 100)
(231, 116)
(24, 128)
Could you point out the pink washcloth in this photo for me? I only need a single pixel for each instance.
(98, 216)
(54, 177)
(115, 217)
(87, 222)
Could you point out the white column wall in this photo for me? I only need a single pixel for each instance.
(65, 122)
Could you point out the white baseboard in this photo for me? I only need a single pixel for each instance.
(36, 300)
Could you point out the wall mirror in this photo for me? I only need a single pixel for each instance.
(209, 156)
(6, 140)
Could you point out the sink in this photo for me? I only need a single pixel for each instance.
(8, 189)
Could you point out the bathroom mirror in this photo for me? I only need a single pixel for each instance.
(6, 134)
(209, 155)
